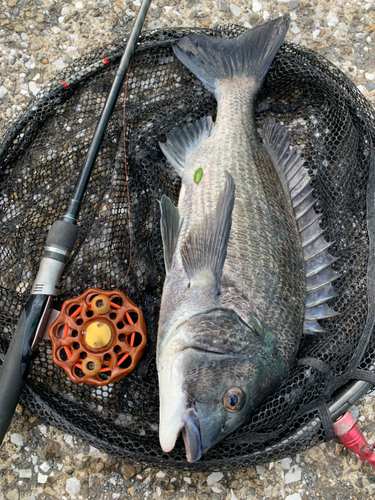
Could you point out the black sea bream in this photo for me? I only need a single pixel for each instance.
(247, 266)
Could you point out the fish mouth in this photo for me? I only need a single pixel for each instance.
(190, 429)
(176, 415)
(204, 350)
(192, 435)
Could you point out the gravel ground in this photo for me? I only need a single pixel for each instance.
(39, 37)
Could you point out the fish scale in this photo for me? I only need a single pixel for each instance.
(251, 251)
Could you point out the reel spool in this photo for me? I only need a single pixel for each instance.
(98, 337)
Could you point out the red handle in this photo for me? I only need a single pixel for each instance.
(353, 439)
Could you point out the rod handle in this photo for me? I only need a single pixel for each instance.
(18, 358)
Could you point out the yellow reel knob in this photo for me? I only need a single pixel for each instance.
(91, 365)
(100, 304)
(98, 335)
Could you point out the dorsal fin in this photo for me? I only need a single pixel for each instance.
(205, 248)
(170, 228)
(296, 183)
(182, 141)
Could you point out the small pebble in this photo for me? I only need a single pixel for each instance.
(3, 91)
(155, 13)
(52, 450)
(286, 463)
(260, 469)
(153, 24)
(69, 440)
(59, 64)
(223, 6)
(99, 467)
(316, 454)
(73, 485)
(12, 494)
(236, 11)
(44, 467)
(42, 478)
(33, 88)
(332, 19)
(257, 6)
(354, 412)
(294, 4)
(15, 438)
(294, 28)
(25, 473)
(214, 477)
(127, 471)
(293, 475)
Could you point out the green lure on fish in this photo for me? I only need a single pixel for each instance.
(198, 175)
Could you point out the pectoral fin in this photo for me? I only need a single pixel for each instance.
(170, 225)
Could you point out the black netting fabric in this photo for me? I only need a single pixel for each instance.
(40, 158)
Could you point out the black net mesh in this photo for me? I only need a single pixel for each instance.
(40, 158)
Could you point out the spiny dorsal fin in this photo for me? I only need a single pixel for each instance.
(182, 141)
(170, 227)
(205, 248)
(296, 183)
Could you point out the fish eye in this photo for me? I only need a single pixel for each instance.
(234, 399)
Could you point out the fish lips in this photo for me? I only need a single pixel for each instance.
(192, 435)
(190, 428)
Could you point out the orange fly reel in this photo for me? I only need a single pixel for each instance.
(98, 337)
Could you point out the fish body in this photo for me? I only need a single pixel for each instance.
(234, 298)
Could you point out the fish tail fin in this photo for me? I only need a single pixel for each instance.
(251, 54)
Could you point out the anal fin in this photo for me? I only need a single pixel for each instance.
(312, 327)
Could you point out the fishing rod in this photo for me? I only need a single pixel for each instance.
(59, 244)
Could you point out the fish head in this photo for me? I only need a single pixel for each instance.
(217, 372)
